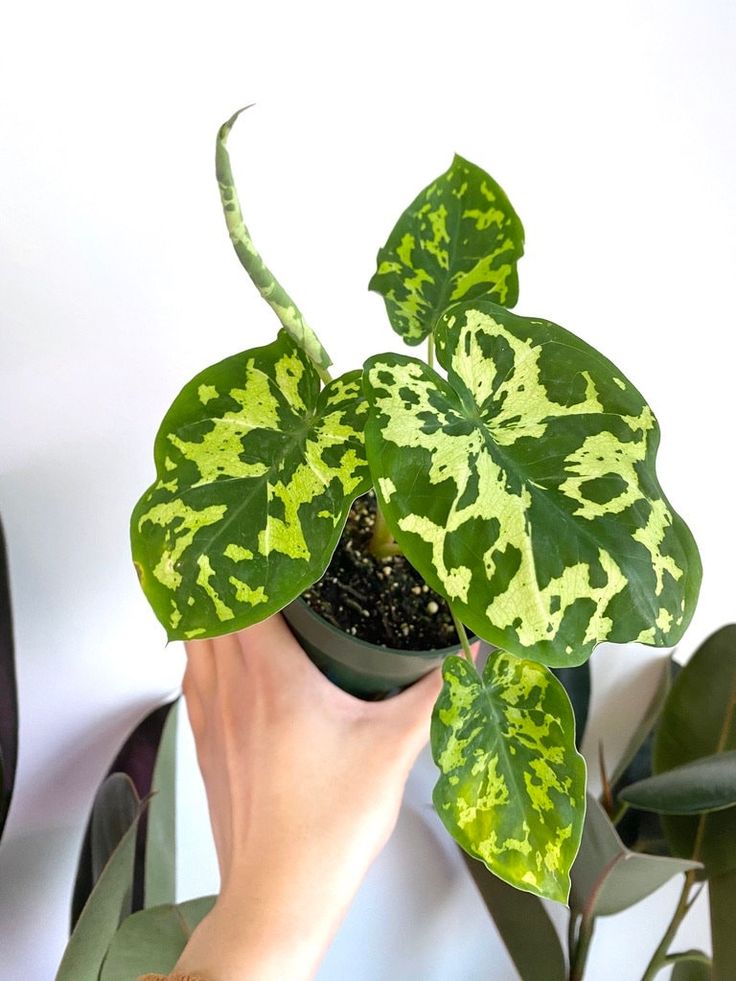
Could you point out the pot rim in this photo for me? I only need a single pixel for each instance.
(438, 652)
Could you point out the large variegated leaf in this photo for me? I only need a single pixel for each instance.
(268, 286)
(458, 240)
(512, 785)
(524, 488)
(256, 470)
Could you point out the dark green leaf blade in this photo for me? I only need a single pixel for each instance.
(460, 238)
(257, 469)
(102, 913)
(511, 789)
(517, 916)
(699, 719)
(705, 784)
(524, 488)
(608, 878)
(160, 861)
(152, 940)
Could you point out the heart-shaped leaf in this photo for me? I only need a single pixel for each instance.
(524, 488)
(608, 878)
(104, 910)
(460, 238)
(266, 283)
(257, 469)
(153, 939)
(706, 784)
(698, 720)
(511, 789)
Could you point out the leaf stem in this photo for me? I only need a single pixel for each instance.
(382, 544)
(659, 957)
(463, 637)
(582, 948)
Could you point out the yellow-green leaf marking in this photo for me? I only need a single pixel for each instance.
(256, 470)
(524, 488)
(511, 789)
(459, 239)
(268, 286)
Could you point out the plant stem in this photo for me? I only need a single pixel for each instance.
(430, 349)
(659, 957)
(382, 543)
(582, 948)
(687, 955)
(463, 637)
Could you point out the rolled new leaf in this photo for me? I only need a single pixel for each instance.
(706, 784)
(523, 488)
(511, 789)
(268, 286)
(256, 471)
(459, 239)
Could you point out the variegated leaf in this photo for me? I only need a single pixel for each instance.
(256, 470)
(524, 488)
(458, 240)
(268, 286)
(512, 785)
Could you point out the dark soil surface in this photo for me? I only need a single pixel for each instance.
(382, 601)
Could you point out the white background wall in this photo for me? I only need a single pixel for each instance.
(612, 129)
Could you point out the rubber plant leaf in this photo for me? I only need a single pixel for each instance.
(704, 785)
(135, 759)
(268, 286)
(160, 860)
(152, 940)
(690, 969)
(256, 471)
(523, 488)
(698, 720)
(511, 789)
(608, 878)
(103, 912)
(8, 691)
(459, 239)
(518, 915)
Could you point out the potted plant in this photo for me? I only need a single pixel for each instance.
(510, 488)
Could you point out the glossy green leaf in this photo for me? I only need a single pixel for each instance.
(511, 789)
(152, 940)
(114, 810)
(699, 719)
(459, 239)
(722, 899)
(706, 784)
(256, 470)
(268, 286)
(524, 488)
(160, 864)
(103, 912)
(608, 878)
(517, 916)
(689, 969)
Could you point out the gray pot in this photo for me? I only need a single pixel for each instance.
(354, 665)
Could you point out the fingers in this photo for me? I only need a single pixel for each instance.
(201, 671)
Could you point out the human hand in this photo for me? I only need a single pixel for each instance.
(304, 784)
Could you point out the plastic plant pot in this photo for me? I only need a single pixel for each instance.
(358, 667)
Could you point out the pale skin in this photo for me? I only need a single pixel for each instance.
(304, 784)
